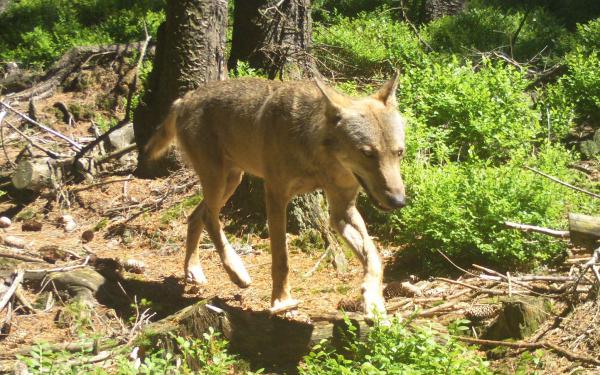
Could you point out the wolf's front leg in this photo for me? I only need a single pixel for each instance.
(281, 296)
(348, 222)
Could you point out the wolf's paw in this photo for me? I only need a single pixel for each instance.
(240, 277)
(195, 275)
(284, 305)
(374, 305)
(236, 271)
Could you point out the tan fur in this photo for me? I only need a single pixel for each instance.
(298, 137)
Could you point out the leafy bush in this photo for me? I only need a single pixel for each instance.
(396, 349)
(370, 45)
(36, 32)
(486, 28)
(460, 209)
(575, 97)
(479, 113)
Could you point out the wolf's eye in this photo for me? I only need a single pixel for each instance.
(399, 152)
(368, 152)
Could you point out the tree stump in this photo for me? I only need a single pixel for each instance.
(268, 339)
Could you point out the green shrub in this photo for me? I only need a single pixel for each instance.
(485, 29)
(460, 209)
(396, 349)
(370, 45)
(479, 113)
(36, 32)
(575, 97)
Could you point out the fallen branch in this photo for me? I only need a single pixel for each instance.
(11, 291)
(13, 255)
(116, 154)
(563, 183)
(50, 153)
(76, 190)
(542, 230)
(62, 269)
(74, 144)
(532, 346)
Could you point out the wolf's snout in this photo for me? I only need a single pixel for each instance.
(396, 200)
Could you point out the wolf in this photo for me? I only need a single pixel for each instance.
(298, 136)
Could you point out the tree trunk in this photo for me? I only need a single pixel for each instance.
(190, 51)
(435, 9)
(275, 36)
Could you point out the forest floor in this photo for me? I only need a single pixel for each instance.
(142, 223)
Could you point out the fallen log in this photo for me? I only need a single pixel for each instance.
(584, 230)
(271, 339)
(68, 63)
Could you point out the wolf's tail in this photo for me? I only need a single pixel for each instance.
(163, 137)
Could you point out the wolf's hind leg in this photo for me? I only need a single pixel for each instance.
(192, 267)
(215, 201)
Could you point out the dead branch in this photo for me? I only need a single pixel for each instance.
(74, 144)
(50, 153)
(532, 346)
(77, 190)
(67, 116)
(542, 230)
(11, 291)
(116, 154)
(479, 289)
(62, 269)
(2, 115)
(552, 178)
(6, 253)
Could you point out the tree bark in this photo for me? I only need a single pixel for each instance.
(435, 9)
(274, 36)
(190, 51)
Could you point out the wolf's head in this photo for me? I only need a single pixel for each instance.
(366, 135)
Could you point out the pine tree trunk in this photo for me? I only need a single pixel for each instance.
(190, 51)
(435, 9)
(275, 36)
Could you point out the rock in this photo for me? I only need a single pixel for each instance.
(12, 241)
(134, 266)
(5, 222)
(122, 137)
(68, 223)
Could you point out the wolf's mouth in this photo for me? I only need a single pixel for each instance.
(377, 203)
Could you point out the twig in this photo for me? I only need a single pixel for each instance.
(314, 268)
(75, 145)
(76, 190)
(62, 269)
(6, 324)
(2, 115)
(563, 183)
(50, 153)
(23, 301)
(454, 264)
(116, 154)
(479, 289)
(9, 293)
(531, 345)
(542, 230)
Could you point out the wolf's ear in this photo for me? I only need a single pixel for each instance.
(334, 98)
(387, 92)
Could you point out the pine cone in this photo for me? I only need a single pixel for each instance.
(350, 305)
(481, 312)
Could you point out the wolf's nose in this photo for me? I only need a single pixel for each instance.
(397, 201)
